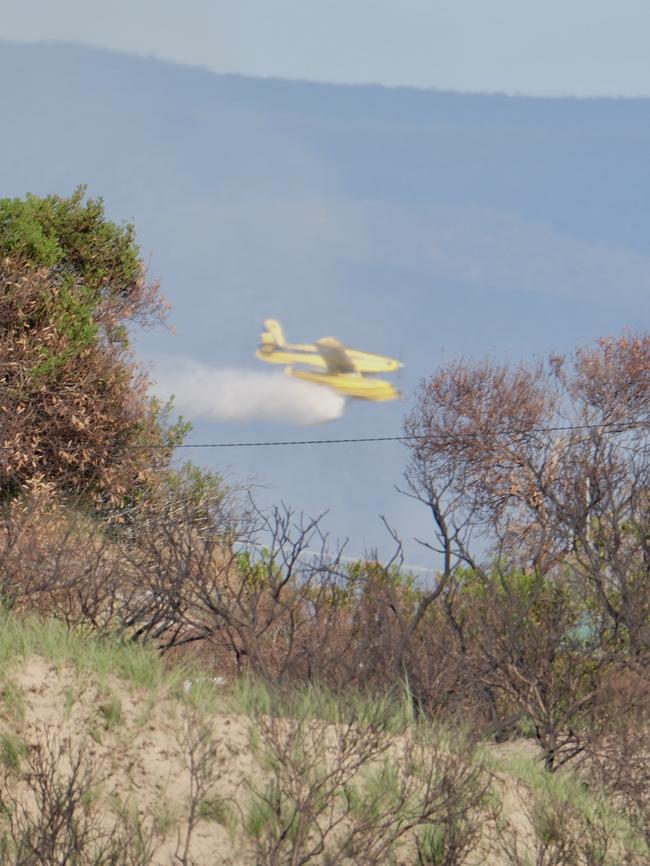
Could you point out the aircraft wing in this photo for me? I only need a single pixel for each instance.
(335, 356)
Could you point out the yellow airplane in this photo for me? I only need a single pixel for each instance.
(344, 368)
(350, 384)
(274, 349)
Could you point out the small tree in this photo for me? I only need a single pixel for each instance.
(548, 468)
(74, 410)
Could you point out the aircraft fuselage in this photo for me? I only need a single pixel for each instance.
(364, 362)
(350, 384)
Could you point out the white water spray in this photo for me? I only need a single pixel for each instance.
(244, 395)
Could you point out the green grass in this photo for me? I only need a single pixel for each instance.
(562, 785)
(12, 701)
(102, 657)
(165, 817)
(12, 750)
(147, 707)
(526, 728)
(219, 810)
(431, 845)
(111, 711)
(143, 668)
(564, 788)
(95, 734)
(377, 792)
(69, 699)
(269, 814)
(21, 637)
(393, 714)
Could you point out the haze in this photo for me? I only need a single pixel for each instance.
(418, 224)
(581, 47)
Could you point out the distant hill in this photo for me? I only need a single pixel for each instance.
(401, 220)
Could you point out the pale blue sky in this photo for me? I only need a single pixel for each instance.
(538, 47)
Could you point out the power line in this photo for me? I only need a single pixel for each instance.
(614, 426)
(295, 442)
(619, 428)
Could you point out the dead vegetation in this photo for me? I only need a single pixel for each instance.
(331, 744)
(138, 769)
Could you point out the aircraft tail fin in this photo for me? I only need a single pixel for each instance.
(273, 335)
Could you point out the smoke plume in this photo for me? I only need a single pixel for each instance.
(244, 395)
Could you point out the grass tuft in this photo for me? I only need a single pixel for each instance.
(220, 811)
(12, 750)
(394, 714)
(265, 813)
(13, 701)
(23, 636)
(565, 789)
(111, 712)
(165, 817)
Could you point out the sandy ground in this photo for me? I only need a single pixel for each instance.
(137, 753)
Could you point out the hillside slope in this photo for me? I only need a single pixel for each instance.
(146, 754)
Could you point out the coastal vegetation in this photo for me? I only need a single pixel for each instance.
(188, 678)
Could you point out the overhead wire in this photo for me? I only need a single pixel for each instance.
(616, 427)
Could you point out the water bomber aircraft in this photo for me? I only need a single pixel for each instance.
(338, 367)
